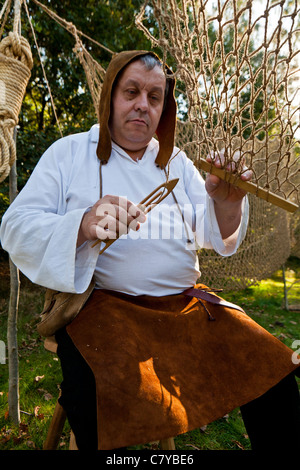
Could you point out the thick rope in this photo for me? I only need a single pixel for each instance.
(15, 66)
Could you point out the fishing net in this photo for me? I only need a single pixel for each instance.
(238, 66)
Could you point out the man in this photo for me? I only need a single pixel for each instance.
(137, 105)
(143, 360)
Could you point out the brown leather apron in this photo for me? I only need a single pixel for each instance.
(166, 365)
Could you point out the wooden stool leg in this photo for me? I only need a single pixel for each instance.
(167, 444)
(56, 428)
(72, 444)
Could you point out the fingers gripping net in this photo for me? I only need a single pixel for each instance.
(238, 63)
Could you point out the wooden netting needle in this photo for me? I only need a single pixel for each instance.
(147, 204)
(248, 186)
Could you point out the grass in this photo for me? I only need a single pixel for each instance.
(40, 374)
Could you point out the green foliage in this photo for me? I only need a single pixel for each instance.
(4, 200)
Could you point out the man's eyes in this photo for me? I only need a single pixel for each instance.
(131, 92)
(155, 97)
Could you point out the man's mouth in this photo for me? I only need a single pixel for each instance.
(140, 122)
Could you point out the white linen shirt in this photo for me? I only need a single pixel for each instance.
(40, 228)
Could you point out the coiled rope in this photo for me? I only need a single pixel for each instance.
(15, 70)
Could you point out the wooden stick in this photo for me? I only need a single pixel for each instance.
(12, 319)
(248, 186)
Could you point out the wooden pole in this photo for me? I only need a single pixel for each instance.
(12, 329)
(286, 303)
(12, 321)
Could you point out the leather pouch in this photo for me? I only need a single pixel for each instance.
(60, 308)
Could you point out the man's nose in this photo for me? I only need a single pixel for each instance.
(142, 103)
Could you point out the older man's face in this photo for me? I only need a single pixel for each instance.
(137, 104)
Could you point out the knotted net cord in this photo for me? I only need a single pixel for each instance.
(269, 240)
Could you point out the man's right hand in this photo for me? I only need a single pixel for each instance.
(109, 218)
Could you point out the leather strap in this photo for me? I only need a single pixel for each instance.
(204, 295)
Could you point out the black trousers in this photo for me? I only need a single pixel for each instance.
(272, 421)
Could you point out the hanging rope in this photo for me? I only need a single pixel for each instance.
(94, 72)
(44, 72)
(69, 26)
(15, 69)
(5, 10)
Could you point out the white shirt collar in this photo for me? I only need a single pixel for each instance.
(94, 133)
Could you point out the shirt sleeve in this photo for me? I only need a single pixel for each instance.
(206, 228)
(40, 235)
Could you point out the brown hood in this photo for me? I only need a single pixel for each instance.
(166, 128)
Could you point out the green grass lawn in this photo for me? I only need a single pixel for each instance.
(40, 375)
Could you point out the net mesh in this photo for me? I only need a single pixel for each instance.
(237, 64)
(271, 233)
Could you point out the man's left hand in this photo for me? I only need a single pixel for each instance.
(221, 191)
(227, 197)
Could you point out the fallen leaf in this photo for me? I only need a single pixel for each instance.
(239, 444)
(23, 427)
(39, 377)
(282, 335)
(48, 396)
(30, 444)
(194, 447)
